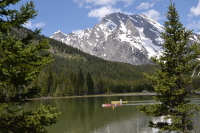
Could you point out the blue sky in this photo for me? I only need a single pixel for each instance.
(75, 15)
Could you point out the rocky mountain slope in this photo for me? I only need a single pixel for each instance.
(119, 37)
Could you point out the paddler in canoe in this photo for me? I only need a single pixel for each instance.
(119, 102)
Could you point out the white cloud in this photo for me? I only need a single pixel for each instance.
(103, 2)
(153, 14)
(128, 13)
(102, 11)
(30, 25)
(195, 11)
(41, 24)
(77, 31)
(128, 2)
(79, 2)
(194, 25)
(145, 5)
(100, 8)
(88, 7)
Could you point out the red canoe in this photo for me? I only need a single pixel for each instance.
(106, 105)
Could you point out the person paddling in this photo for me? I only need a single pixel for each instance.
(120, 101)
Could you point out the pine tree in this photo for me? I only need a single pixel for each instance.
(20, 64)
(70, 88)
(172, 81)
(49, 82)
(100, 87)
(80, 82)
(90, 84)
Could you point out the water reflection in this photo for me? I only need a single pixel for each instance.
(86, 115)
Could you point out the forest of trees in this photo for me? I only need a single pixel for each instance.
(77, 74)
(74, 72)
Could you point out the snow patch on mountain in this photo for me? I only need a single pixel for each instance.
(152, 49)
(120, 37)
(158, 26)
(125, 36)
(111, 25)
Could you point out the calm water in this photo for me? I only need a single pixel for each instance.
(86, 115)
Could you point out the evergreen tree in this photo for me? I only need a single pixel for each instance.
(171, 82)
(100, 86)
(80, 82)
(73, 78)
(20, 64)
(70, 88)
(90, 84)
(49, 81)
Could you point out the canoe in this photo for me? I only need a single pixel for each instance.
(111, 105)
(117, 102)
(106, 105)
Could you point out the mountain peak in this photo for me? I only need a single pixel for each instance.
(119, 37)
(58, 34)
(59, 31)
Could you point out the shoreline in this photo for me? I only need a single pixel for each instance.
(99, 95)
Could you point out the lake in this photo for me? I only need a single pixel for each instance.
(86, 114)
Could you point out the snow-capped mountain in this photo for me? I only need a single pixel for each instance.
(119, 37)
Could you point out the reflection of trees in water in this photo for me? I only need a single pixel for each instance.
(196, 119)
(86, 114)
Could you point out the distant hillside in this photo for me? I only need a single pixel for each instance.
(74, 72)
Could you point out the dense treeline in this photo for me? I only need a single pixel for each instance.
(79, 75)
(74, 72)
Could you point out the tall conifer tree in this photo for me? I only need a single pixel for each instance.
(80, 82)
(90, 84)
(20, 64)
(171, 82)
